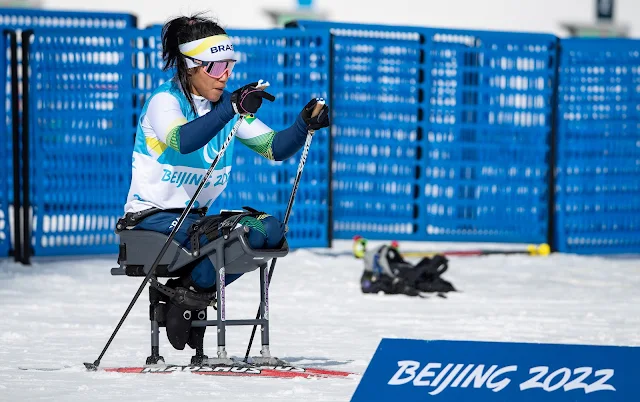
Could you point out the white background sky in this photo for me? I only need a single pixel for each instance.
(516, 15)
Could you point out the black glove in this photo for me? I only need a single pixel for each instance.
(248, 99)
(319, 121)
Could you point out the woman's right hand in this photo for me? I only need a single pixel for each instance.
(248, 99)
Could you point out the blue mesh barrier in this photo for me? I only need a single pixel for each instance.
(21, 19)
(376, 148)
(6, 159)
(440, 134)
(81, 135)
(486, 135)
(24, 18)
(598, 147)
(296, 64)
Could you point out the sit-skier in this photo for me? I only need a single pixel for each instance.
(180, 130)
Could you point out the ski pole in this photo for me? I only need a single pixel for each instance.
(542, 250)
(360, 246)
(94, 366)
(294, 190)
(359, 250)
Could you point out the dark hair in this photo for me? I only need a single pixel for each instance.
(182, 30)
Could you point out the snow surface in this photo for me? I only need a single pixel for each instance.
(62, 311)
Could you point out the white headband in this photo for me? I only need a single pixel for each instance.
(211, 48)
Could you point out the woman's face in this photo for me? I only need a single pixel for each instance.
(206, 86)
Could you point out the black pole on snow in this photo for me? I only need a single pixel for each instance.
(15, 126)
(330, 156)
(553, 149)
(26, 165)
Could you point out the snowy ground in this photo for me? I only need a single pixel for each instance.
(62, 312)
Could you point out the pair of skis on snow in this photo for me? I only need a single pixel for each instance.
(245, 370)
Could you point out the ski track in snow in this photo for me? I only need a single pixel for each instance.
(62, 311)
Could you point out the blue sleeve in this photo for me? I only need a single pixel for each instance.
(198, 132)
(289, 141)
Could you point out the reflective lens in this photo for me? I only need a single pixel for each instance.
(216, 69)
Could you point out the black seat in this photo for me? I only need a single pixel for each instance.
(139, 249)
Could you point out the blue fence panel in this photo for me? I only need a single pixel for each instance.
(21, 19)
(296, 64)
(376, 144)
(441, 134)
(25, 18)
(6, 159)
(81, 134)
(598, 154)
(487, 135)
(437, 134)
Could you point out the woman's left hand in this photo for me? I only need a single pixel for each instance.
(319, 120)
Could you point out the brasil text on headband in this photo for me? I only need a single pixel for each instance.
(211, 48)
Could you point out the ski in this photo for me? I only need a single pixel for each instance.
(331, 253)
(45, 368)
(229, 371)
(251, 371)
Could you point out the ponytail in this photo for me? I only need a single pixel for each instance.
(182, 30)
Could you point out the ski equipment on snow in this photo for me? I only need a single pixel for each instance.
(244, 370)
(386, 271)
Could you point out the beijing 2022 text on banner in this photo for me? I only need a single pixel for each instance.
(419, 370)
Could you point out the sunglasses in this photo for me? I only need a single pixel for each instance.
(215, 69)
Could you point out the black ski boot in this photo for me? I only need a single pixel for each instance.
(430, 278)
(178, 319)
(371, 283)
(185, 306)
(381, 274)
(425, 276)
